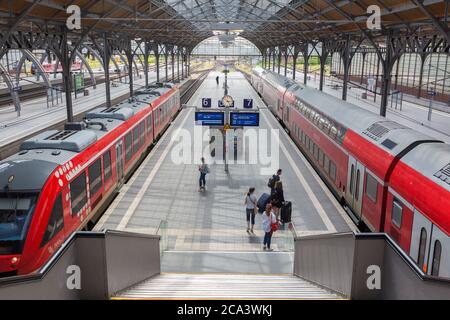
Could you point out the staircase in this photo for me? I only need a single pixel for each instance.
(225, 286)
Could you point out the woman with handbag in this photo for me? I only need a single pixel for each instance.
(270, 225)
(250, 208)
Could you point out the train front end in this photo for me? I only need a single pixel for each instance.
(21, 183)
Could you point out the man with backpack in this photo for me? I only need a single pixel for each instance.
(273, 180)
(204, 170)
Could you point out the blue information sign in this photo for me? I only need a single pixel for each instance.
(244, 119)
(209, 118)
(206, 102)
(248, 103)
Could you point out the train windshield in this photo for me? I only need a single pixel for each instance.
(16, 211)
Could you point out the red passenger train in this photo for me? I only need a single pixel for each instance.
(62, 180)
(394, 179)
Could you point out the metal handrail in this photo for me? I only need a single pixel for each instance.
(377, 235)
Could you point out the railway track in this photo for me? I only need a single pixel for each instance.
(187, 90)
(36, 89)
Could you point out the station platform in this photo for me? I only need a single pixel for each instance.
(35, 115)
(414, 113)
(163, 194)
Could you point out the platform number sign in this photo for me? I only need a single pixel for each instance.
(206, 102)
(220, 104)
(248, 103)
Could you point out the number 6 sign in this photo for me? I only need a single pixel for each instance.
(206, 102)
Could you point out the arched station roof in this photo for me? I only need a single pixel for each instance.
(265, 23)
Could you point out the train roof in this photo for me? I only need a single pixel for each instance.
(432, 160)
(386, 134)
(24, 175)
(40, 155)
(278, 80)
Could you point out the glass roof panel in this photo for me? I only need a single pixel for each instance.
(250, 13)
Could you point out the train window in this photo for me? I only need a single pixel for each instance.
(316, 119)
(55, 222)
(352, 178)
(322, 123)
(136, 139)
(311, 146)
(422, 248)
(358, 179)
(371, 187)
(397, 212)
(321, 157)
(107, 164)
(155, 114)
(78, 194)
(149, 124)
(327, 126)
(326, 163)
(95, 177)
(436, 258)
(333, 132)
(128, 147)
(304, 138)
(316, 152)
(142, 132)
(332, 171)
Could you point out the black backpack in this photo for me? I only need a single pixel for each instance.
(271, 183)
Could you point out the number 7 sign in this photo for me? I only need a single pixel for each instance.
(248, 103)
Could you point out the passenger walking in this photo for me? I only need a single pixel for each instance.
(277, 198)
(250, 208)
(273, 180)
(217, 80)
(204, 170)
(269, 220)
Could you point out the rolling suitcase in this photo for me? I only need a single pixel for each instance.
(262, 202)
(286, 212)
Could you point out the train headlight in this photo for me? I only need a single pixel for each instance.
(14, 261)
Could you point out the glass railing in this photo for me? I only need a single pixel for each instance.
(162, 231)
(287, 237)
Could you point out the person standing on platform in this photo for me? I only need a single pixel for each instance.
(217, 80)
(204, 170)
(277, 198)
(250, 208)
(268, 220)
(272, 181)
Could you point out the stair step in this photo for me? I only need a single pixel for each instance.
(225, 286)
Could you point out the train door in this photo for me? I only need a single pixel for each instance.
(119, 164)
(439, 258)
(355, 183)
(420, 240)
(286, 115)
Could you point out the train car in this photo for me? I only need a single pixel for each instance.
(61, 181)
(362, 157)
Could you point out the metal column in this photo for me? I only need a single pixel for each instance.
(146, 50)
(346, 62)
(106, 58)
(166, 56)
(66, 64)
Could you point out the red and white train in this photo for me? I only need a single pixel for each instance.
(62, 180)
(394, 179)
